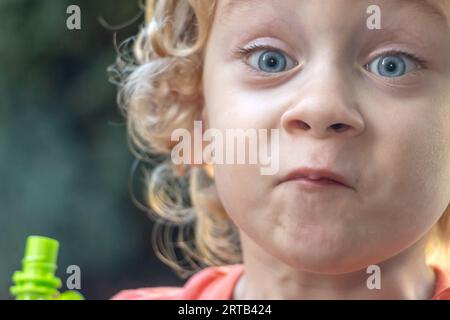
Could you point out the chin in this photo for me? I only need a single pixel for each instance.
(327, 257)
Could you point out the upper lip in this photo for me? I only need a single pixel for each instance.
(316, 174)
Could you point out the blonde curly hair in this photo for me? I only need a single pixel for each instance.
(160, 91)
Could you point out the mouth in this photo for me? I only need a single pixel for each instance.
(316, 178)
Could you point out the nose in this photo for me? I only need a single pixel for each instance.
(324, 108)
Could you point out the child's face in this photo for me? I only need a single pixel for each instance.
(386, 128)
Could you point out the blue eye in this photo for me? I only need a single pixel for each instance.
(271, 61)
(392, 66)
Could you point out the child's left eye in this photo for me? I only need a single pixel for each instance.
(393, 65)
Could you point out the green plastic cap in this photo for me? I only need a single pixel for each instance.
(41, 249)
(37, 280)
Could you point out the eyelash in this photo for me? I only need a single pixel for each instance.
(244, 52)
(254, 47)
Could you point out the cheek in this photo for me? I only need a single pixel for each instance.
(243, 192)
(409, 161)
(243, 111)
(427, 148)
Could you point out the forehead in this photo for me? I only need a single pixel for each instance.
(436, 8)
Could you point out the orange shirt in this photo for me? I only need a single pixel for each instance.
(217, 283)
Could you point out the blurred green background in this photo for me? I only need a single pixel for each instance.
(64, 159)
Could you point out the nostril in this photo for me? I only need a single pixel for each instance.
(339, 127)
(302, 125)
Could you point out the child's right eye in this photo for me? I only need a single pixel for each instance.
(271, 61)
(267, 59)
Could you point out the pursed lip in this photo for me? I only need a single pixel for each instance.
(317, 174)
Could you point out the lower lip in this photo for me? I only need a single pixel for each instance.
(317, 185)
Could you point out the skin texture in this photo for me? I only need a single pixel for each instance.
(388, 136)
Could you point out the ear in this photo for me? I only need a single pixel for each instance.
(202, 104)
(209, 168)
(204, 118)
(204, 123)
